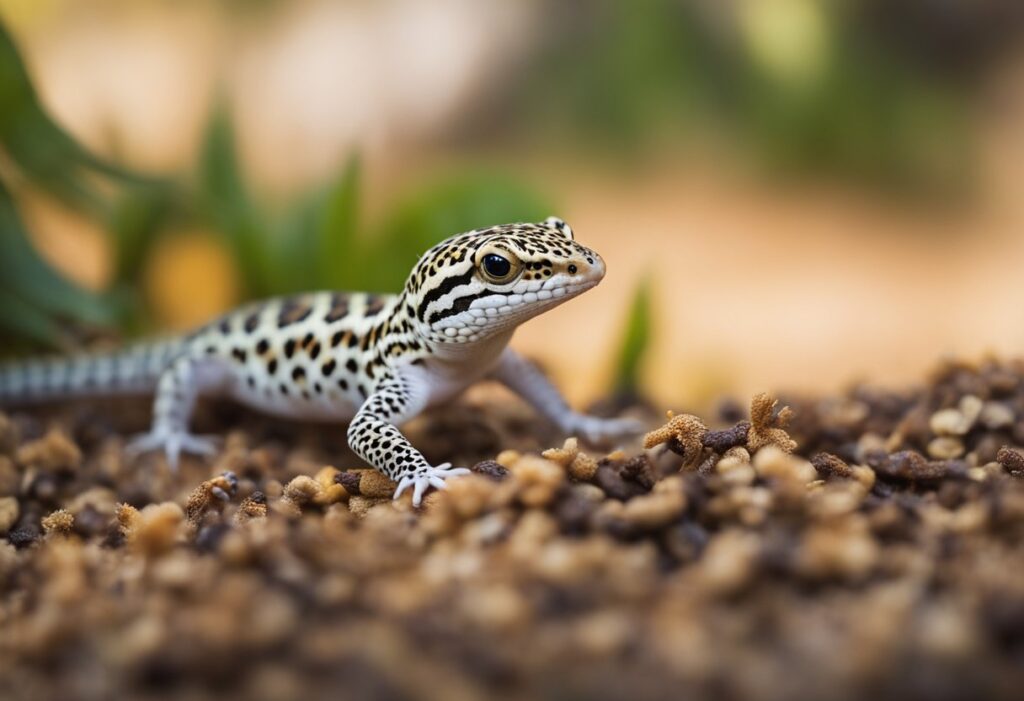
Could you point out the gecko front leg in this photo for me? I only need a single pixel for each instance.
(374, 436)
(522, 377)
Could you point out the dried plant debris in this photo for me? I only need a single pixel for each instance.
(768, 427)
(865, 544)
(211, 494)
(579, 465)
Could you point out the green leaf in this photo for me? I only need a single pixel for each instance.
(337, 247)
(24, 273)
(135, 222)
(293, 243)
(316, 243)
(43, 151)
(22, 321)
(635, 342)
(227, 205)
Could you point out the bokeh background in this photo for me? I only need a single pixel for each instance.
(790, 194)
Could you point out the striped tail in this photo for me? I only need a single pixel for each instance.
(134, 370)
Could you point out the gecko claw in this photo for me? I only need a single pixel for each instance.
(430, 477)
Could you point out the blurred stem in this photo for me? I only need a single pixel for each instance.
(635, 341)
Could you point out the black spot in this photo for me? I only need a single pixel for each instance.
(307, 339)
(314, 351)
(317, 388)
(353, 340)
(239, 355)
(250, 381)
(263, 346)
(284, 388)
(328, 367)
(293, 311)
(374, 304)
(225, 327)
(272, 366)
(336, 338)
(339, 308)
(289, 348)
(298, 374)
(251, 322)
(351, 365)
(210, 350)
(343, 383)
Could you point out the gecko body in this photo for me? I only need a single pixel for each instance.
(374, 361)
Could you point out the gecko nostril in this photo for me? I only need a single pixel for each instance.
(572, 268)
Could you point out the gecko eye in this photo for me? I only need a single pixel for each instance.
(496, 267)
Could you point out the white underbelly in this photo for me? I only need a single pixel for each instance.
(333, 407)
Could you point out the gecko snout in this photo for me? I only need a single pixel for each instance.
(588, 265)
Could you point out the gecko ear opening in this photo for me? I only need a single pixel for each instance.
(558, 223)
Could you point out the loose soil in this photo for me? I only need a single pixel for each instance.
(828, 547)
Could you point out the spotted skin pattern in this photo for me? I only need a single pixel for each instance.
(375, 361)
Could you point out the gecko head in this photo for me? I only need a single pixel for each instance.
(486, 282)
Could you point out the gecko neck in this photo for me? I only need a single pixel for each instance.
(484, 352)
(444, 355)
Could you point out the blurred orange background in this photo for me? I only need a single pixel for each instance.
(761, 280)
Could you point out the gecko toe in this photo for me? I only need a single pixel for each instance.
(173, 444)
(403, 484)
(417, 491)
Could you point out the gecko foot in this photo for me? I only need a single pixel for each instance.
(427, 477)
(597, 430)
(173, 444)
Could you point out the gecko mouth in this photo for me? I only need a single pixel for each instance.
(494, 312)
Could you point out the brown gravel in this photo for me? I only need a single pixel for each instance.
(820, 548)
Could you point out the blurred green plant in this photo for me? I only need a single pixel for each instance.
(807, 86)
(41, 150)
(319, 241)
(35, 300)
(322, 242)
(33, 297)
(634, 343)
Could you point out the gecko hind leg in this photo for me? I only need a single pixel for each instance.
(179, 387)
